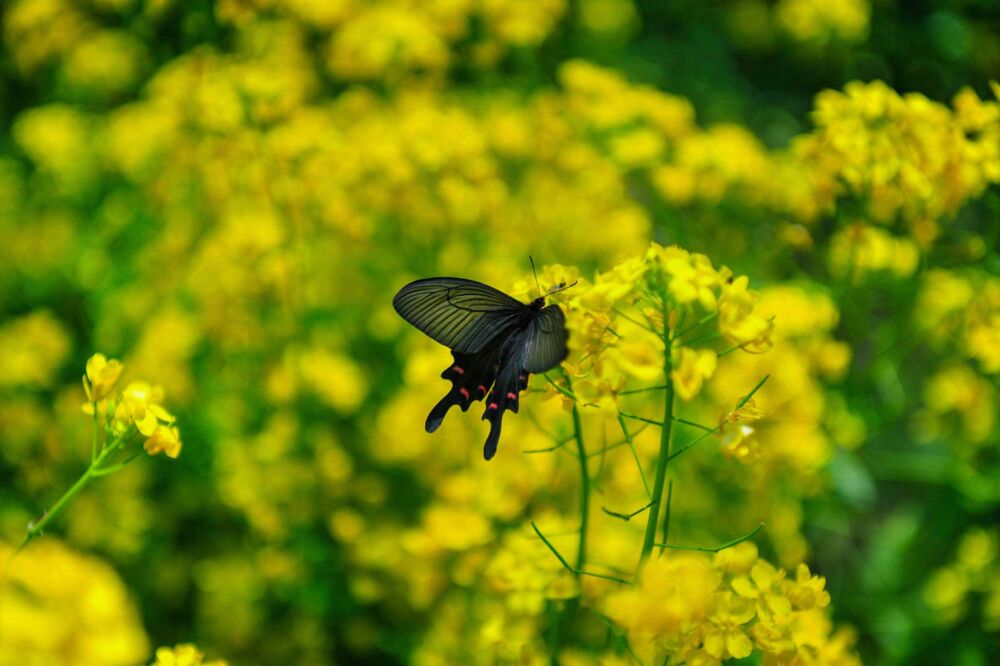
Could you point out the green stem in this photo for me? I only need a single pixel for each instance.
(716, 549)
(581, 555)
(95, 436)
(571, 569)
(571, 607)
(95, 469)
(35, 527)
(666, 515)
(665, 436)
(635, 455)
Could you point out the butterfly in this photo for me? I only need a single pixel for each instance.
(496, 342)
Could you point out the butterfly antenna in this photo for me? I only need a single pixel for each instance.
(537, 286)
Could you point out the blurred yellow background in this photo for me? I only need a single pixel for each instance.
(226, 195)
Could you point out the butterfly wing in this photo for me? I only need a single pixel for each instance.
(463, 315)
(545, 343)
(511, 379)
(471, 377)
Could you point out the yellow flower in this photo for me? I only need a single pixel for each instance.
(184, 654)
(748, 413)
(739, 443)
(101, 378)
(165, 439)
(808, 591)
(673, 597)
(140, 405)
(640, 358)
(690, 276)
(52, 588)
(724, 637)
(691, 368)
(738, 319)
(456, 527)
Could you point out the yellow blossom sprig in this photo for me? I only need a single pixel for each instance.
(183, 654)
(136, 415)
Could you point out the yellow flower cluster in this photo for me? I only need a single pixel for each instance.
(708, 609)
(960, 311)
(138, 406)
(34, 346)
(973, 577)
(385, 40)
(904, 156)
(60, 607)
(857, 250)
(797, 424)
(907, 157)
(819, 22)
(94, 59)
(616, 322)
(183, 654)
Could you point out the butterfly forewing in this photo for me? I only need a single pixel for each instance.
(461, 314)
(545, 346)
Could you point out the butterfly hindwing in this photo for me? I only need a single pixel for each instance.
(464, 315)
(511, 379)
(545, 342)
(471, 377)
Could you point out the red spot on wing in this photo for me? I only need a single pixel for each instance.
(493, 405)
(482, 388)
(512, 396)
(464, 391)
(458, 370)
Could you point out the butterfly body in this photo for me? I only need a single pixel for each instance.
(496, 342)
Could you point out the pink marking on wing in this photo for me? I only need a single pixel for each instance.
(482, 388)
(458, 370)
(493, 405)
(465, 392)
(512, 396)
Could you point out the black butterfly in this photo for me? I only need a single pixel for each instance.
(496, 340)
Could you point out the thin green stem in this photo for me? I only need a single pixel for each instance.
(641, 418)
(549, 449)
(643, 390)
(96, 435)
(95, 469)
(570, 609)
(694, 424)
(665, 436)
(743, 401)
(692, 443)
(625, 516)
(105, 471)
(701, 338)
(635, 455)
(638, 323)
(571, 569)
(581, 555)
(703, 320)
(35, 528)
(566, 392)
(716, 549)
(666, 514)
